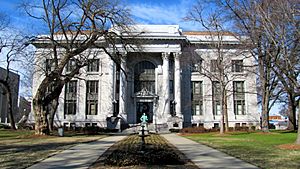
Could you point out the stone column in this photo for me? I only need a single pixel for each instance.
(123, 86)
(177, 83)
(166, 84)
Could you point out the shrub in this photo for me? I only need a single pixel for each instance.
(90, 130)
(194, 130)
(242, 128)
(174, 130)
(4, 126)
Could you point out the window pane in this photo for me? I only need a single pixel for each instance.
(237, 65)
(218, 111)
(197, 109)
(71, 65)
(93, 65)
(213, 65)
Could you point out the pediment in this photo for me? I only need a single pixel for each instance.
(145, 93)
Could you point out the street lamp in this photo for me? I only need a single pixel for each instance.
(115, 104)
(174, 108)
(155, 101)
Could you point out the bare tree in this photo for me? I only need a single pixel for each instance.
(219, 70)
(75, 29)
(273, 28)
(282, 27)
(11, 49)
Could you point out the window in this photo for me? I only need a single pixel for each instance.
(144, 76)
(49, 65)
(50, 88)
(171, 66)
(216, 125)
(197, 98)
(92, 97)
(172, 108)
(93, 65)
(239, 98)
(72, 126)
(214, 65)
(171, 86)
(216, 93)
(237, 65)
(71, 65)
(197, 108)
(237, 124)
(70, 97)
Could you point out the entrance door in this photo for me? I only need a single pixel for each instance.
(144, 107)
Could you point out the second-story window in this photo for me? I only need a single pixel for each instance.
(237, 65)
(71, 65)
(214, 65)
(49, 65)
(93, 65)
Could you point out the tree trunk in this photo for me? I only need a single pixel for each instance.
(265, 116)
(264, 94)
(40, 114)
(222, 115)
(10, 111)
(298, 135)
(292, 113)
(225, 113)
(53, 107)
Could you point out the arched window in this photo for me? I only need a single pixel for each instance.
(144, 76)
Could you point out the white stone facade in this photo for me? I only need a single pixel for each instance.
(156, 81)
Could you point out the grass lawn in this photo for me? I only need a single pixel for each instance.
(273, 150)
(21, 148)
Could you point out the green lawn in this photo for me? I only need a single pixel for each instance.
(262, 150)
(21, 148)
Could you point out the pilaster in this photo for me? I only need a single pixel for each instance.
(177, 83)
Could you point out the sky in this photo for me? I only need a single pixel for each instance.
(143, 12)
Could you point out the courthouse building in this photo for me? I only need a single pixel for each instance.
(164, 81)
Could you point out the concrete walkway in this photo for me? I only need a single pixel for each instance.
(80, 156)
(204, 156)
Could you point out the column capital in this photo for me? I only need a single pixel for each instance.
(177, 55)
(165, 55)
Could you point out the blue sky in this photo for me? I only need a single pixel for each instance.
(143, 11)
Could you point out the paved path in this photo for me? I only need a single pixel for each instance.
(205, 157)
(80, 156)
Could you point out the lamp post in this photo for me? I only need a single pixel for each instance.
(155, 100)
(115, 103)
(174, 108)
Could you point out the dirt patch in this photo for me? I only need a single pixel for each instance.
(289, 146)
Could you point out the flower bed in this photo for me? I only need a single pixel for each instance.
(129, 152)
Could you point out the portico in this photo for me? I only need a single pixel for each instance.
(152, 86)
